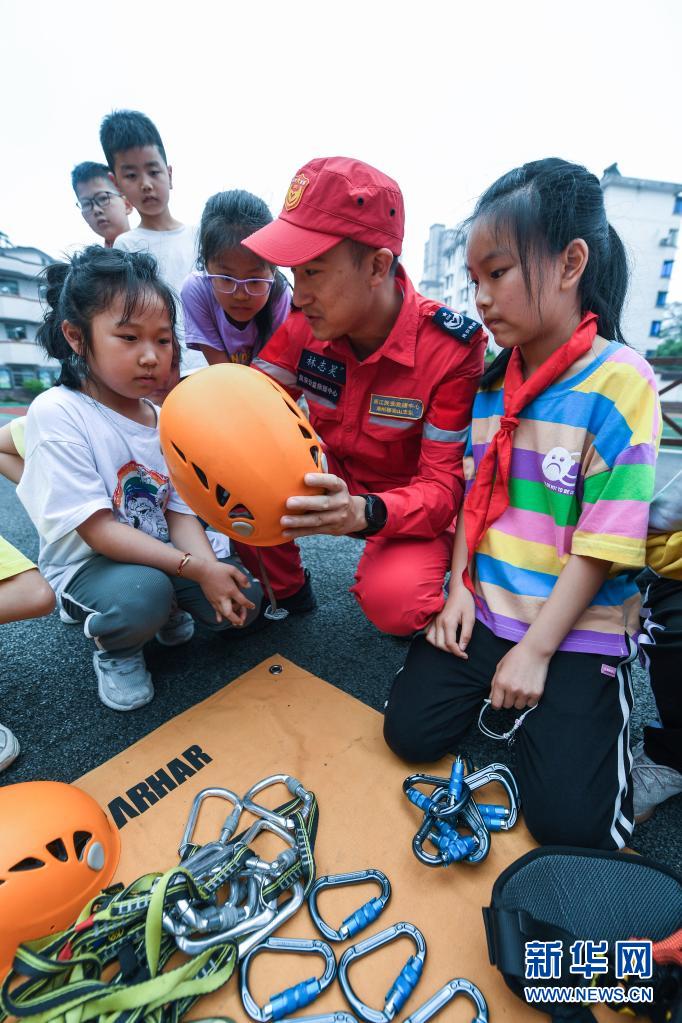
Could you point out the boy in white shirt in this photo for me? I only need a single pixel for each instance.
(139, 169)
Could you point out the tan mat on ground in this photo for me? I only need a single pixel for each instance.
(294, 723)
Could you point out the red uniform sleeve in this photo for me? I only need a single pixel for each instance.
(429, 503)
(279, 358)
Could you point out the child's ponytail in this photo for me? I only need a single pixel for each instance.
(87, 285)
(542, 207)
(50, 335)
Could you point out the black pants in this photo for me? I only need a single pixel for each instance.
(572, 752)
(662, 646)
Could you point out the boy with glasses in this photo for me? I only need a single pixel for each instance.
(104, 209)
(137, 162)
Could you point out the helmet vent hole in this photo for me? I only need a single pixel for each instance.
(80, 840)
(222, 496)
(201, 475)
(30, 863)
(58, 850)
(179, 452)
(240, 511)
(315, 452)
(306, 433)
(294, 409)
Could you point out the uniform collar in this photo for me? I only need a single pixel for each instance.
(401, 343)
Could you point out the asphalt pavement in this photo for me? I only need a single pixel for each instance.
(48, 693)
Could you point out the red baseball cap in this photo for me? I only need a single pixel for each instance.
(330, 199)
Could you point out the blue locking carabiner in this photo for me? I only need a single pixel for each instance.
(293, 998)
(363, 916)
(446, 994)
(405, 982)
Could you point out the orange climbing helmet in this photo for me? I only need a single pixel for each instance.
(57, 850)
(237, 446)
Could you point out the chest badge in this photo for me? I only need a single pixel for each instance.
(396, 408)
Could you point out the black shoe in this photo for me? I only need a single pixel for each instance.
(300, 602)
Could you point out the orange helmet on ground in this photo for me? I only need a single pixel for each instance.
(57, 850)
(237, 446)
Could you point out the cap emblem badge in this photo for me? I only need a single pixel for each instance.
(295, 193)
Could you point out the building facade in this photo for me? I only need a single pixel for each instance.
(21, 313)
(646, 214)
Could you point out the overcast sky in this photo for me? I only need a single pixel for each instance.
(444, 97)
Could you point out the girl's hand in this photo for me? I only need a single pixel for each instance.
(222, 585)
(519, 680)
(458, 613)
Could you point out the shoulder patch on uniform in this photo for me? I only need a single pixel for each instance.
(456, 324)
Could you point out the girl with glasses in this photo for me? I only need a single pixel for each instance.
(235, 302)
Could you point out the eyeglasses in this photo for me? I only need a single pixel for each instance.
(99, 199)
(254, 286)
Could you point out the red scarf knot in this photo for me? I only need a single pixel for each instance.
(488, 498)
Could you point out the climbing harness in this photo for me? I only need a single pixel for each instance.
(405, 982)
(363, 916)
(450, 806)
(562, 896)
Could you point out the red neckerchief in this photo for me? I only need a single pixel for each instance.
(489, 495)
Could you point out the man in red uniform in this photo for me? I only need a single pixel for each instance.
(389, 377)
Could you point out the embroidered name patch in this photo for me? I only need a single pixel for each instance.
(396, 408)
(456, 324)
(321, 366)
(326, 390)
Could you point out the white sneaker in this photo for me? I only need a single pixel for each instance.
(123, 683)
(178, 629)
(652, 784)
(9, 747)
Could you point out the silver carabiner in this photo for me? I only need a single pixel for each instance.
(284, 912)
(295, 788)
(363, 916)
(446, 994)
(405, 982)
(499, 773)
(230, 825)
(293, 998)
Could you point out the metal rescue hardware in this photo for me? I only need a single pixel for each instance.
(363, 916)
(451, 806)
(140, 927)
(446, 994)
(293, 998)
(405, 982)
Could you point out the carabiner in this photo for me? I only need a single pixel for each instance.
(363, 916)
(293, 998)
(281, 862)
(446, 994)
(283, 913)
(405, 982)
(230, 825)
(295, 788)
(499, 773)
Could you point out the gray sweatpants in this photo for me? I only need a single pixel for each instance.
(123, 606)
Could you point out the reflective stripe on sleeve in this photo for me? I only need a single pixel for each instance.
(283, 376)
(432, 432)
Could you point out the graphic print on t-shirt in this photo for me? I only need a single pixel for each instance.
(560, 470)
(140, 499)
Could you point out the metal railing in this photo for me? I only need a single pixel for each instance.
(671, 366)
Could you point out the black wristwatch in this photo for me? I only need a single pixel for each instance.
(376, 514)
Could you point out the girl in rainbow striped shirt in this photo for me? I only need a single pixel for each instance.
(542, 601)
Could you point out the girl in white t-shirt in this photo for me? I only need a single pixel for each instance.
(124, 554)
